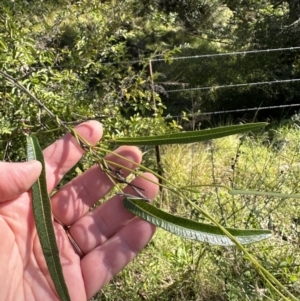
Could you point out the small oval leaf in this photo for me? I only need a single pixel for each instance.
(190, 229)
(43, 219)
(190, 137)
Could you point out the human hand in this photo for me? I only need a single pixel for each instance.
(109, 236)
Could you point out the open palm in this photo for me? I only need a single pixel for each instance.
(109, 236)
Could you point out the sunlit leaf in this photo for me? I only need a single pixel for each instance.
(190, 229)
(43, 219)
(190, 137)
(264, 193)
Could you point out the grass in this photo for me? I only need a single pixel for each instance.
(171, 268)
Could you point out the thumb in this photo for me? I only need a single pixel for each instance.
(16, 178)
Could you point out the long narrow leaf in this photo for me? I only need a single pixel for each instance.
(43, 219)
(264, 193)
(190, 229)
(190, 137)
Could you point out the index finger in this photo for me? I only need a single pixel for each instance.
(63, 154)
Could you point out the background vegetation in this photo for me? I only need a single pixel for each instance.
(91, 59)
(171, 268)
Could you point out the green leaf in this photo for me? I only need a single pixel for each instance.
(190, 137)
(3, 45)
(43, 219)
(264, 193)
(190, 229)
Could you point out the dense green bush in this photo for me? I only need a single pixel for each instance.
(74, 58)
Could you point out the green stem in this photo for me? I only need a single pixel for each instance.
(270, 279)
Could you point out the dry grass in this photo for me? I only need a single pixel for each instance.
(171, 268)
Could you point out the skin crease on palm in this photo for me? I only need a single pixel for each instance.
(110, 236)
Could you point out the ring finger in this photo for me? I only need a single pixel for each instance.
(105, 221)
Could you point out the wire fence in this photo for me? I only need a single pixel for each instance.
(231, 85)
(227, 54)
(236, 85)
(232, 111)
(175, 58)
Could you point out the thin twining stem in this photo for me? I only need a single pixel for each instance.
(118, 175)
(87, 147)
